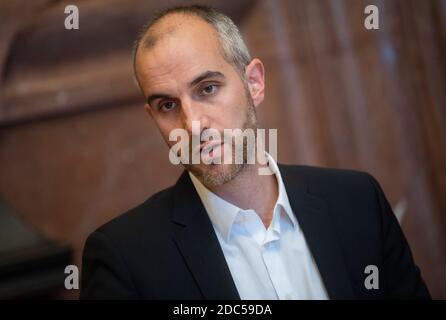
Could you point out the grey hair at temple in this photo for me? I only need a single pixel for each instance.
(234, 48)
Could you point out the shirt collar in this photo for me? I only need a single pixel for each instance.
(282, 199)
(223, 213)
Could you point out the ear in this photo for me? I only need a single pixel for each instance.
(255, 77)
(148, 110)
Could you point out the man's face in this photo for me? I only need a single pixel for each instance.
(185, 78)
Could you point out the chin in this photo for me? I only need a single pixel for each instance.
(215, 175)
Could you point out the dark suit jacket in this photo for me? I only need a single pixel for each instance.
(166, 248)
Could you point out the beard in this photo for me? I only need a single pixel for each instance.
(216, 174)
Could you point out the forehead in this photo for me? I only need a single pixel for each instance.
(180, 46)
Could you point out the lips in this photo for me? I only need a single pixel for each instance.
(206, 146)
(205, 149)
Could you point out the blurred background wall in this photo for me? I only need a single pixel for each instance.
(77, 149)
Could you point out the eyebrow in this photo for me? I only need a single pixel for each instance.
(206, 75)
(156, 96)
(203, 76)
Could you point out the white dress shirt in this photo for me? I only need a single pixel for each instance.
(273, 263)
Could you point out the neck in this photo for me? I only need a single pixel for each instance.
(249, 190)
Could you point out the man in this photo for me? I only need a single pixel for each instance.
(224, 231)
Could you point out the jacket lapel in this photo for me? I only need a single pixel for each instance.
(199, 245)
(318, 228)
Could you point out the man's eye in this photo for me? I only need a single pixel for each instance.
(167, 106)
(208, 90)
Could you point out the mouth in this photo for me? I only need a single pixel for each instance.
(207, 149)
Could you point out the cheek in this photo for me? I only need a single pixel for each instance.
(164, 128)
(238, 110)
(234, 107)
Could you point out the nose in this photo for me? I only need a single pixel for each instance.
(193, 111)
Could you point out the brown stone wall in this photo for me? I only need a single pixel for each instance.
(77, 149)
